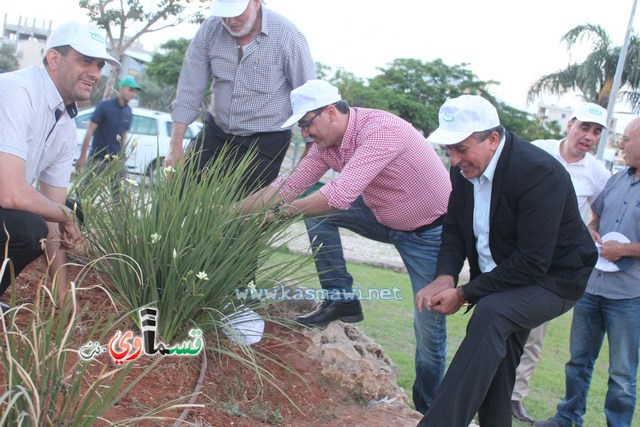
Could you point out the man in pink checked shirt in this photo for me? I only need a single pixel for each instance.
(392, 188)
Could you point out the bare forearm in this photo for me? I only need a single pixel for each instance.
(30, 200)
(178, 130)
(258, 200)
(632, 250)
(613, 251)
(312, 205)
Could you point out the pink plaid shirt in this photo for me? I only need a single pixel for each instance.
(384, 159)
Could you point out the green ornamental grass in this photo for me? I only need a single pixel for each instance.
(45, 381)
(181, 246)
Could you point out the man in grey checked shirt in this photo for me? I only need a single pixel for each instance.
(255, 57)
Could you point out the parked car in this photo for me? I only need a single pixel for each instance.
(148, 138)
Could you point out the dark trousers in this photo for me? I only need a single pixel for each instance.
(270, 149)
(482, 373)
(24, 232)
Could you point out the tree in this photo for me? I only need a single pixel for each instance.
(164, 68)
(154, 95)
(8, 58)
(358, 93)
(322, 70)
(415, 90)
(593, 77)
(117, 19)
(521, 123)
(420, 88)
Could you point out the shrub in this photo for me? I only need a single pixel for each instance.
(45, 382)
(181, 246)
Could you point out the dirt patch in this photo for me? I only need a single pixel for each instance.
(293, 393)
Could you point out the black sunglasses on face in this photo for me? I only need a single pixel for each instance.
(306, 123)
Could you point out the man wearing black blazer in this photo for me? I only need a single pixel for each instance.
(513, 214)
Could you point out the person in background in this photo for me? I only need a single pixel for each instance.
(37, 143)
(254, 57)
(611, 303)
(392, 188)
(588, 176)
(109, 125)
(513, 214)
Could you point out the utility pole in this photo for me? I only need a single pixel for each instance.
(616, 84)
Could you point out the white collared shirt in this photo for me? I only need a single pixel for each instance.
(481, 210)
(29, 129)
(588, 175)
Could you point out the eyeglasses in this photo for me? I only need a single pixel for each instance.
(304, 125)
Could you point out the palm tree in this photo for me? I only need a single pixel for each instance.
(594, 76)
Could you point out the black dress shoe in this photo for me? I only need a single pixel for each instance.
(519, 412)
(328, 311)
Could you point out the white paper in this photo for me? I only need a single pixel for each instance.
(604, 264)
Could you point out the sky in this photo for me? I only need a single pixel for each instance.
(508, 41)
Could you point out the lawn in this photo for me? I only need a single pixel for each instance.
(389, 323)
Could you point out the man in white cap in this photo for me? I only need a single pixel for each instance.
(392, 188)
(589, 177)
(37, 143)
(254, 57)
(513, 214)
(611, 303)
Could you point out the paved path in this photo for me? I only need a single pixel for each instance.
(356, 249)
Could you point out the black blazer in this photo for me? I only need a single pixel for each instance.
(536, 234)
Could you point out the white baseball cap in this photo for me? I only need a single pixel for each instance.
(228, 8)
(310, 96)
(591, 113)
(85, 38)
(460, 117)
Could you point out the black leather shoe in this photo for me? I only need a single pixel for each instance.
(551, 422)
(519, 412)
(328, 311)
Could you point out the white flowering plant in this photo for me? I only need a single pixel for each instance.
(192, 247)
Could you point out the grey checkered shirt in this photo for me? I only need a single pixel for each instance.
(251, 96)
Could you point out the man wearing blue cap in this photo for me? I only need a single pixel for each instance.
(513, 214)
(109, 125)
(254, 57)
(37, 143)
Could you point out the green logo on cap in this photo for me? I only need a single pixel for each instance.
(448, 117)
(97, 37)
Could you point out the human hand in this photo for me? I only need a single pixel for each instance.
(446, 302)
(595, 236)
(173, 157)
(81, 162)
(612, 250)
(70, 233)
(425, 296)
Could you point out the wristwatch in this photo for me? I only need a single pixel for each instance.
(461, 298)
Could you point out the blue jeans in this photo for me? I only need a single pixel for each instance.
(592, 317)
(419, 252)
